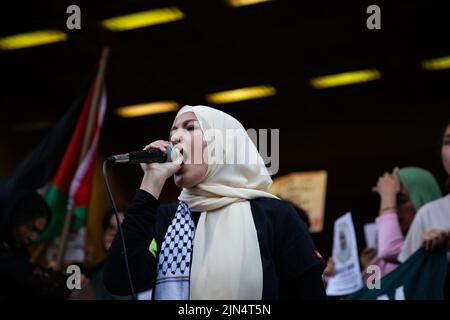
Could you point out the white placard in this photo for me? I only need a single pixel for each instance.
(345, 254)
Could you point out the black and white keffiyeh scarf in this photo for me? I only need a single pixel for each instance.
(174, 265)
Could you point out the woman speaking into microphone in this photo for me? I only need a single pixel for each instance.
(227, 237)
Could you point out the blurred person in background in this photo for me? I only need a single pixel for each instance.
(22, 217)
(109, 231)
(402, 193)
(431, 226)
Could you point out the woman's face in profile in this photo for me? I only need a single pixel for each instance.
(186, 135)
(27, 232)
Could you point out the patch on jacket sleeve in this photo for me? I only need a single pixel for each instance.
(153, 248)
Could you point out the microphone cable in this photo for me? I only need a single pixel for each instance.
(116, 213)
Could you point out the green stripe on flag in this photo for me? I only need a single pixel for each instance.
(57, 201)
(79, 218)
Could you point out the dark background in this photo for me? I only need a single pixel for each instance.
(355, 132)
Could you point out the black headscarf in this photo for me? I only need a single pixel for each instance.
(19, 207)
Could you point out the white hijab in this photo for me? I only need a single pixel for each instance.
(226, 261)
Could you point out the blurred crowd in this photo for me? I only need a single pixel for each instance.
(413, 213)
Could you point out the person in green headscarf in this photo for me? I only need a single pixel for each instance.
(405, 191)
(402, 193)
(417, 187)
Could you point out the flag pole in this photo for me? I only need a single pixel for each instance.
(93, 110)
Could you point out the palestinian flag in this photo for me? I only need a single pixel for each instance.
(61, 167)
(70, 187)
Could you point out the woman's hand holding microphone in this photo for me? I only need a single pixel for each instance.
(156, 174)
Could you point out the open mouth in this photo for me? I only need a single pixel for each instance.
(180, 171)
(182, 154)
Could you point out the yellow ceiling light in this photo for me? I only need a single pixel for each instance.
(241, 94)
(143, 19)
(241, 3)
(31, 39)
(436, 64)
(146, 109)
(346, 78)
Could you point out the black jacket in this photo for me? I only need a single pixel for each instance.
(292, 267)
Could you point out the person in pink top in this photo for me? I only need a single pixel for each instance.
(402, 193)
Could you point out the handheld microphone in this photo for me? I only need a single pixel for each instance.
(145, 156)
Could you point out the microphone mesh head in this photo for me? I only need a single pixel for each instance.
(171, 153)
